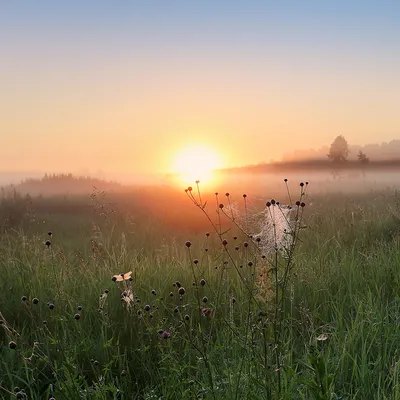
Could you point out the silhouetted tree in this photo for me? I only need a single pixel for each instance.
(339, 150)
(362, 157)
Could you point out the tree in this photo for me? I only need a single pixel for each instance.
(362, 157)
(339, 149)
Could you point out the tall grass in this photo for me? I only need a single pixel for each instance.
(205, 318)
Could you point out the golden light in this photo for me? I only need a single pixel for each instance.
(196, 162)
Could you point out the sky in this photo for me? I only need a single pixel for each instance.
(123, 86)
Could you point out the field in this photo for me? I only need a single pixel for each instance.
(310, 310)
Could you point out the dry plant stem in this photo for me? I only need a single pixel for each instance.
(203, 353)
(7, 391)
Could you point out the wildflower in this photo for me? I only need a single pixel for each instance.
(166, 335)
(181, 291)
(207, 312)
(122, 277)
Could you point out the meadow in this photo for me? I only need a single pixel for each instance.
(241, 298)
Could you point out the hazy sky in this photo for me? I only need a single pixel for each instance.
(123, 85)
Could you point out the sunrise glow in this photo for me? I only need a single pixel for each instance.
(196, 162)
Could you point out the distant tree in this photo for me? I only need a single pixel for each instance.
(339, 150)
(362, 157)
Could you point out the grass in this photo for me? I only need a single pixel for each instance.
(338, 320)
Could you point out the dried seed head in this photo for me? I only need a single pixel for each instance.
(187, 317)
(268, 204)
(202, 282)
(301, 184)
(188, 244)
(297, 203)
(196, 261)
(35, 300)
(208, 234)
(77, 316)
(258, 240)
(147, 307)
(245, 244)
(224, 242)
(221, 206)
(24, 298)
(302, 204)
(237, 248)
(12, 345)
(171, 294)
(176, 309)
(244, 195)
(153, 292)
(285, 180)
(205, 299)
(235, 238)
(79, 308)
(273, 202)
(181, 291)
(106, 291)
(190, 188)
(51, 306)
(178, 284)
(48, 243)
(250, 264)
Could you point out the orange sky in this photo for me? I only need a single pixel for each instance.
(127, 101)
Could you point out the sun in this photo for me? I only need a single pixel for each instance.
(196, 163)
